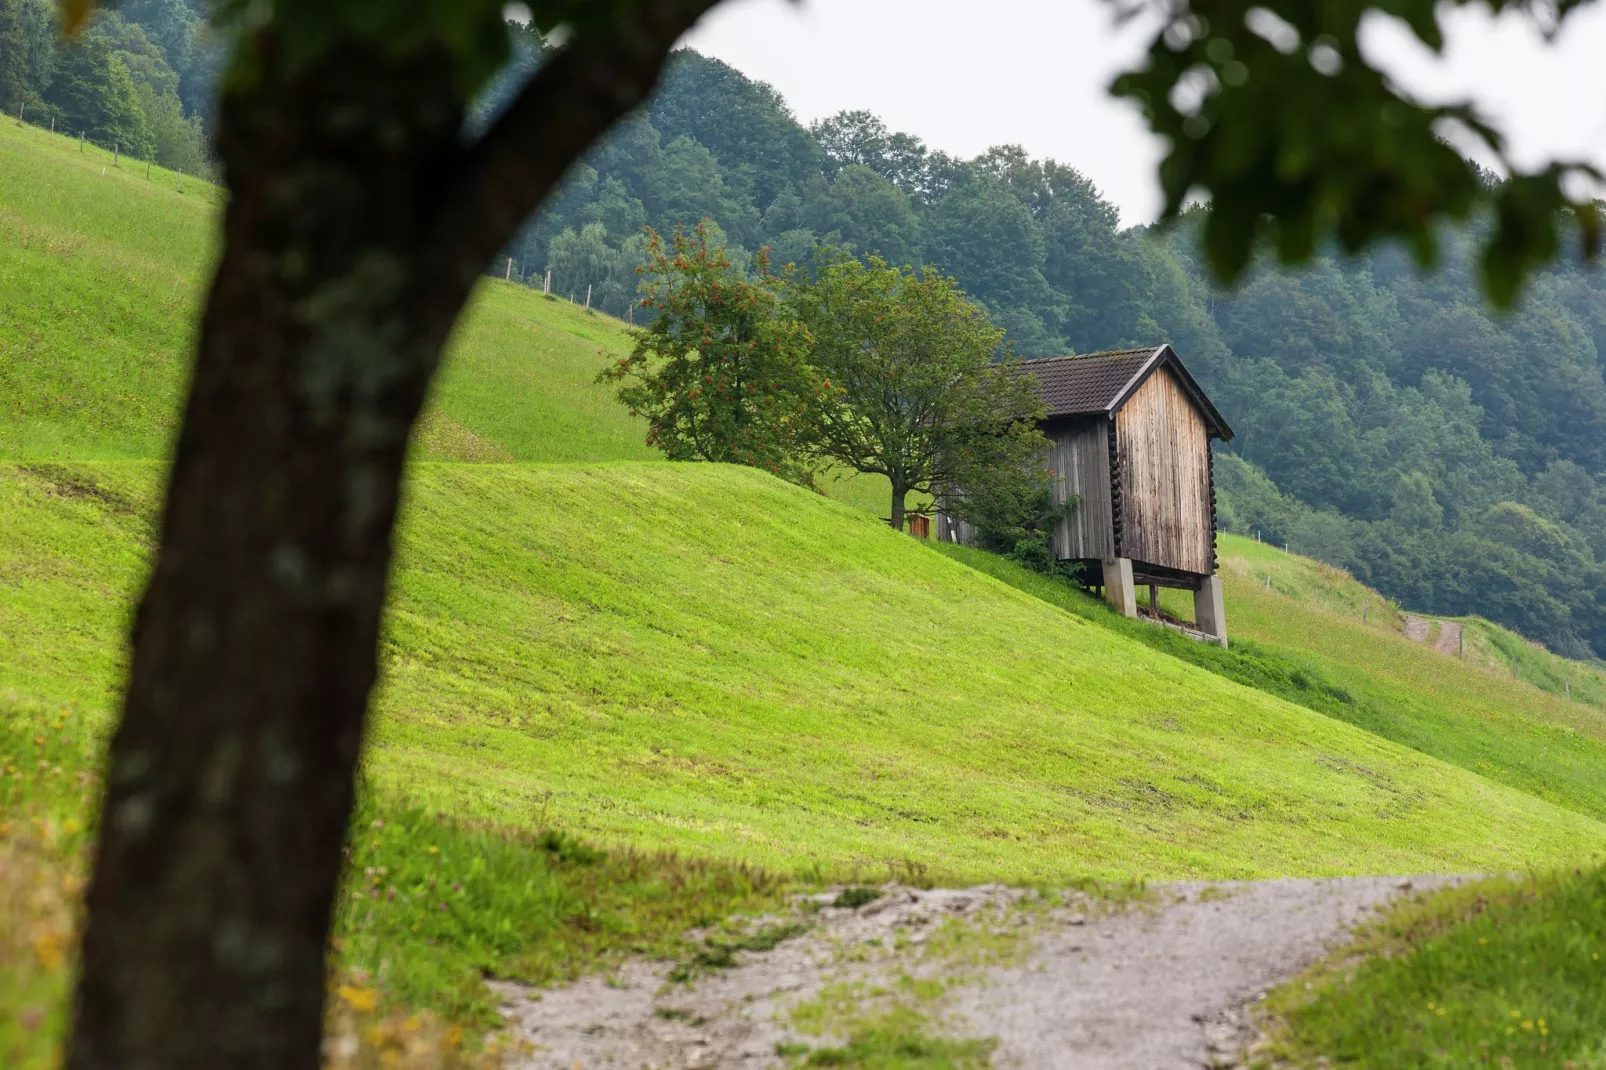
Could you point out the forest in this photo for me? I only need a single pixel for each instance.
(1388, 421)
(139, 79)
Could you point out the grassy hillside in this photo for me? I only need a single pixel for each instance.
(1327, 601)
(708, 659)
(101, 276)
(1377, 680)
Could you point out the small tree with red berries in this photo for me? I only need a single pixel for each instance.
(718, 374)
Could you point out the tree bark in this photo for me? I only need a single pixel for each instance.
(356, 228)
(899, 496)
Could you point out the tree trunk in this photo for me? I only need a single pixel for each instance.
(357, 225)
(231, 775)
(899, 495)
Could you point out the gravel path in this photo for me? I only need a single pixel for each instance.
(1417, 628)
(1159, 984)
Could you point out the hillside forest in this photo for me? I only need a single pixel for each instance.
(1387, 421)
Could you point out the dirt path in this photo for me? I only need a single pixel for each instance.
(1417, 628)
(1449, 641)
(1154, 985)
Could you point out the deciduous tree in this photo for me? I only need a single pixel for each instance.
(718, 374)
(920, 399)
(360, 216)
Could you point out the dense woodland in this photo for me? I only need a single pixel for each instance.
(139, 79)
(1387, 421)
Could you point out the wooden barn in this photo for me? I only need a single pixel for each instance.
(1131, 435)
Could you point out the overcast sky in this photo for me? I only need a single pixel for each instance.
(967, 74)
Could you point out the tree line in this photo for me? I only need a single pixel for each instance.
(139, 79)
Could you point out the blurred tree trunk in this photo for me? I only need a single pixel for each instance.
(357, 225)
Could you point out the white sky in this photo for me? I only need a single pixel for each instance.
(967, 74)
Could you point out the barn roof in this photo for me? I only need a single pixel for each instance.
(1098, 384)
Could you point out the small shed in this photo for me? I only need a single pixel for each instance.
(1130, 433)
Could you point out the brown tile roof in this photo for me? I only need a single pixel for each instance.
(1089, 384)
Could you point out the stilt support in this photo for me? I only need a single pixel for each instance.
(1118, 588)
(1209, 611)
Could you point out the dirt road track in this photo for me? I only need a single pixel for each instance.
(1162, 984)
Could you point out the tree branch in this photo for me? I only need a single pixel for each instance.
(607, 69)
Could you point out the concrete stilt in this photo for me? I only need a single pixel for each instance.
(1118, 589)
(1210, 611)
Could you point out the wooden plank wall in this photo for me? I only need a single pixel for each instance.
(1080, 461)
(1163, 453)
(952, 529)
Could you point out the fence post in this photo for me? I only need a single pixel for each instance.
(81, 134)
(117, 154)
(588, 297)
(508, 277)
(147, 169)
(546, 288)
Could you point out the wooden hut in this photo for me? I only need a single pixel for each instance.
(1131, 435)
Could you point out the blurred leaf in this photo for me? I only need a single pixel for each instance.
(1298, 143)
(74, 13)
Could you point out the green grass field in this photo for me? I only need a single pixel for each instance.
(708, 659)
(724, 681)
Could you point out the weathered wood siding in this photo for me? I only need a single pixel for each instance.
(952, 529)
(1080, 460)
(1163, 456)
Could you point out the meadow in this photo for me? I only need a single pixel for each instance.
(621, 697)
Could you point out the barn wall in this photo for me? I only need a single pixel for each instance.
(1080, 461)
(1163, 451)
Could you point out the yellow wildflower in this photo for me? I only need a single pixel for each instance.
(361, 1000)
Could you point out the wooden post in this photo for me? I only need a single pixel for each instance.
(147, 169)
(508, 276)
(547, 289)
(630, 314)
(1268, 581)
(1364, 604)
(52, 124)
(21, 108)
(588, 297)
(1154, 599)
(80, 141)
(1318, 598)
(1461, 643)
(1568, 684)
(117, 154)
